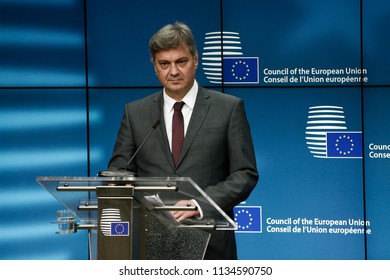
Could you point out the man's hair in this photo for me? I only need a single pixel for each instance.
(171, 36)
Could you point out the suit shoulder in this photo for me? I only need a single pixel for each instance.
(144, 100)
(223, 97)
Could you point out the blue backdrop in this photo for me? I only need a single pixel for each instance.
(304, 68)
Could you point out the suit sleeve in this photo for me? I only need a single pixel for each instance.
(243, 174)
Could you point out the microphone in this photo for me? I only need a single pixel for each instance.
(156, 123)
(125, 172)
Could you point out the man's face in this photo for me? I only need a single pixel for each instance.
(176, 70)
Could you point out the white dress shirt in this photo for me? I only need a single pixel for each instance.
(189, 100)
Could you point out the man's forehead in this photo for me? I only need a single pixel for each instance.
(174, 53)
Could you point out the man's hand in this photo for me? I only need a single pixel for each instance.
(181, 215)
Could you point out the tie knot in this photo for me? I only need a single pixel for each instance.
(178, 106)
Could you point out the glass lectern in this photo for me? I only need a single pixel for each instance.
(130, 217)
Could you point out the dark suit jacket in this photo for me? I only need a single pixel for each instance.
(218, 153)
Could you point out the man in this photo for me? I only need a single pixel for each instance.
(217, 152)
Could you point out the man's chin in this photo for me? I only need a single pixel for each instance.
(175, 84)
(175, 88)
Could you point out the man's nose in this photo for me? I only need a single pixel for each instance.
(174, 69)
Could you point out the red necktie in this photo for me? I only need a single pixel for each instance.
(177, 131)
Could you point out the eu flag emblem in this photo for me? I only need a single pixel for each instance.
(344, 144)
(119, 228)
(241, 70)
(248, 219)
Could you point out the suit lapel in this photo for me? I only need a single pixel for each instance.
(201, 108)
(158, 113)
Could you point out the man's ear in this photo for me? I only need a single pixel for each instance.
(196, 59)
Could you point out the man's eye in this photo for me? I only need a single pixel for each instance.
(182, 62)
(163, 65)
